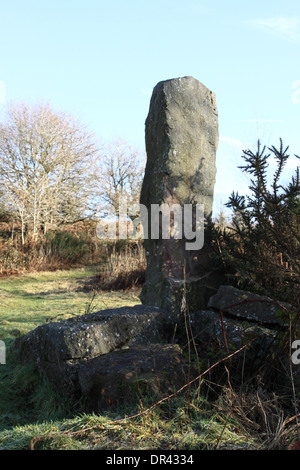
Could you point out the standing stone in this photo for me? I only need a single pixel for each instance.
(181, 144)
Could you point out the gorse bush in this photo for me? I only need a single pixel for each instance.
(260, 248)
(65, 246)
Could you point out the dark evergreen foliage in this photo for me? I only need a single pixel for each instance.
(260, 248)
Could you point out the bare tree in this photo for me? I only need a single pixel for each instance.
(44, 166)
(119, 174)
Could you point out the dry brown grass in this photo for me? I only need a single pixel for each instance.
(262, 414)
(124, 269)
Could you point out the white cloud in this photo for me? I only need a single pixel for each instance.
(288, 28)
(235, 143)
(296, 94)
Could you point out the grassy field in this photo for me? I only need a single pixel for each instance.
(30, 300)
(32, 415)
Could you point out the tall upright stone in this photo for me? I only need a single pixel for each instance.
(181, 144)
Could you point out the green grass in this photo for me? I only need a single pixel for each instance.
(30, 300)
(34, 415)
(176, 425)
(26, 302)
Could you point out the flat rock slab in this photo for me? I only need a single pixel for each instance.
(131, 374)
(57, 349)
(226, 335)
(120, 354)
(248, 306)
(91, 335)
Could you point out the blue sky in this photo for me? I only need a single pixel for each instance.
(100, 61)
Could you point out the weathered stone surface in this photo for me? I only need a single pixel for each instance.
(251, 307)
(181, 144)
(226, 335)
(58, 348)
(259, 322)
(93, 334)
(133, 373)
(113, 355)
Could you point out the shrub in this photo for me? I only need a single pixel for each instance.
(260, 249)
(12, 260)
(65, 246)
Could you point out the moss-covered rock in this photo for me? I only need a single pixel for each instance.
(57, 349)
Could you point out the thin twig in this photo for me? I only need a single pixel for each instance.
(223, 331)
(137, 415)
(186, 385)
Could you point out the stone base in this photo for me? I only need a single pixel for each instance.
(132, 374)
(169, 296)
